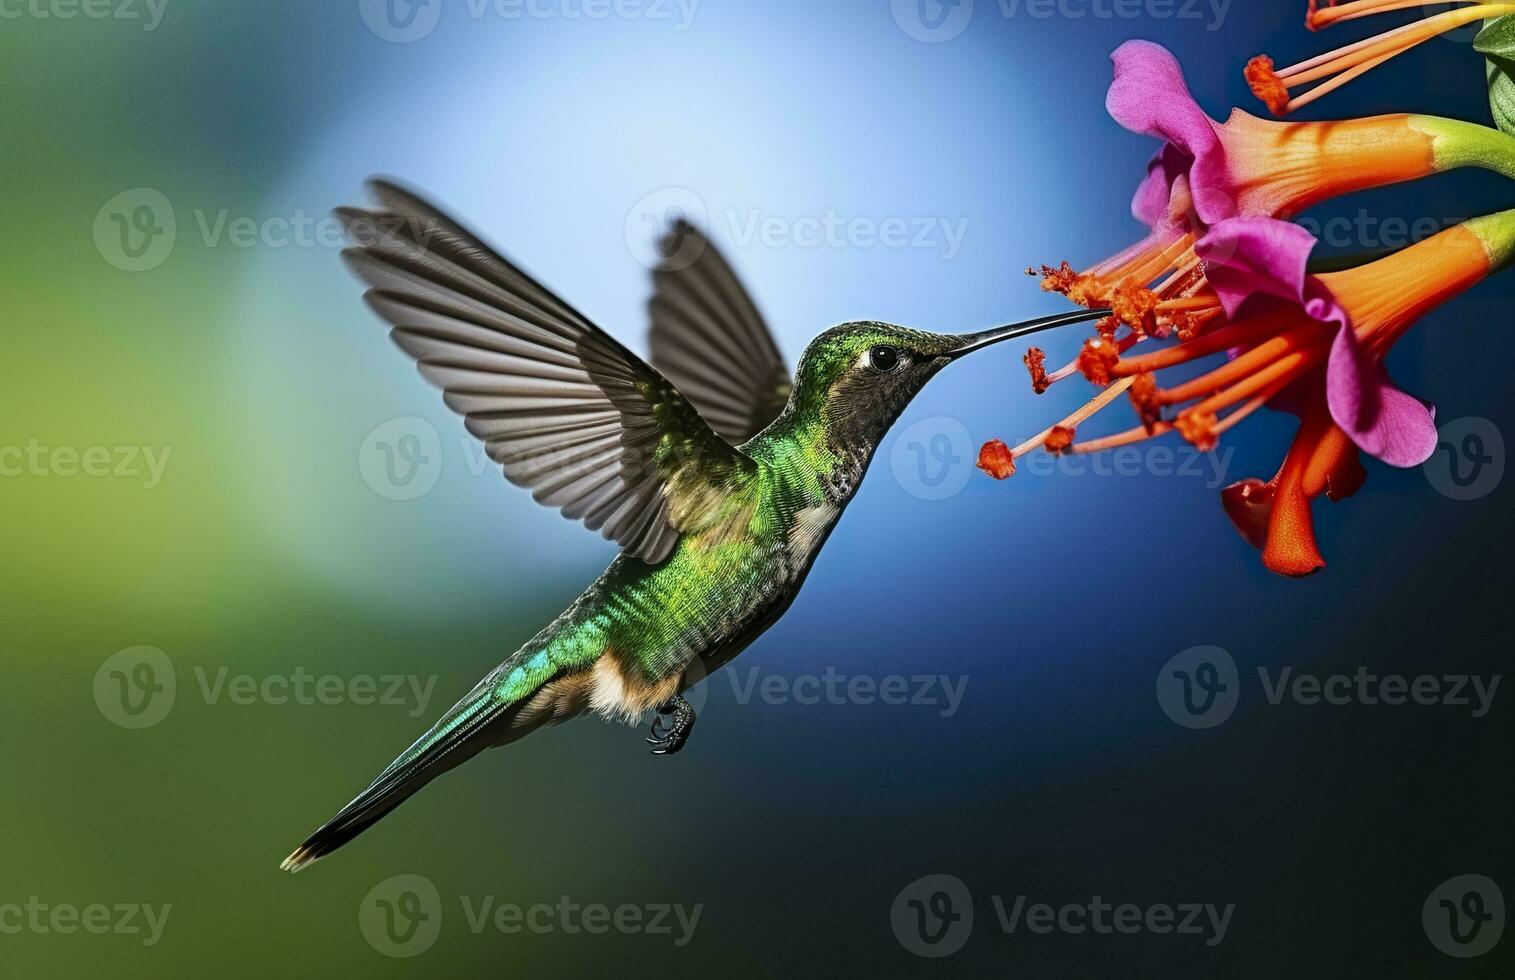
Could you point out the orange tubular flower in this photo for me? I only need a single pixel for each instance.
(1310, 345)
(1337, 68)
(1208, 172)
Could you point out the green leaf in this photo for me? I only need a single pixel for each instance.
(1497, 43)
(1502, 94)
(1497, 39)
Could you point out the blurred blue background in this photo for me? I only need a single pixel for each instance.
(243, 356)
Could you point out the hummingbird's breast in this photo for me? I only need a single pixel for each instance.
(633, 633)
(712, 596)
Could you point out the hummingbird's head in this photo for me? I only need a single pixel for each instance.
(857, 378)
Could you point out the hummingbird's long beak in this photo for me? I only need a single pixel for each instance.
(976, 341)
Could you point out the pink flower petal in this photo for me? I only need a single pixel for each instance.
(1251, 259)
(1384, 421)
(1149, 96)
(1150, 205)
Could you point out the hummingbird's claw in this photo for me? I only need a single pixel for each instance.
(658, 734)
(672, 740)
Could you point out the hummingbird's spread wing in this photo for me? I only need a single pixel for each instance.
(566, 410)
(709, 339)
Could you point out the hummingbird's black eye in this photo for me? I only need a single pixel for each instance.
(884, 358)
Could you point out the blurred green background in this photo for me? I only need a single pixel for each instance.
(250, 371)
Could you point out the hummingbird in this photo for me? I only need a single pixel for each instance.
(718, 474)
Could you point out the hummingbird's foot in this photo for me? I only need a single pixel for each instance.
(669, 741)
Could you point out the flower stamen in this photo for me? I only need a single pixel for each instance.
(1036, 363)
(1335, 13)
(1072, 422)
(1275, 349)
(1059, 439)
(1336, 68)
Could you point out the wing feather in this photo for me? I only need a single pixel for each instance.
(709, 339)
(564, 409)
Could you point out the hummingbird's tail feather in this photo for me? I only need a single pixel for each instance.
(469, 728)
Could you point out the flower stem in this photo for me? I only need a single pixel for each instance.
(1497, 232)
(1464, 144)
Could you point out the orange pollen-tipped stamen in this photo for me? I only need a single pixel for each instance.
(1098, 359)
(1106, 329)
(1060, 279)
(1075, 420)
(1036, 363)
(1135, 305)
(1264, 82)
(1339, 67)
(1059, 439)
(1082, 288)
(1144, 397)
(1198, 429)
